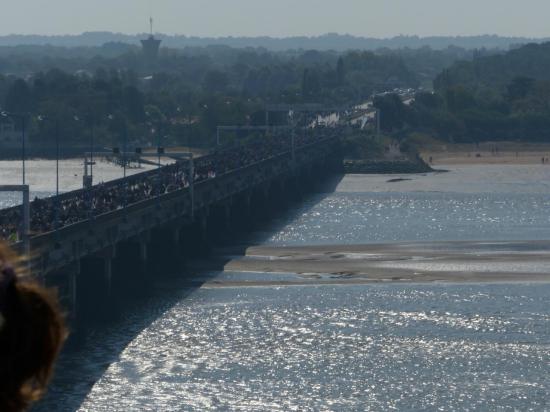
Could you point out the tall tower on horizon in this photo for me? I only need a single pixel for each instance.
(151, 45)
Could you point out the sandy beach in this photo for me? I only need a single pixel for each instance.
(400, 262)
(490, 153)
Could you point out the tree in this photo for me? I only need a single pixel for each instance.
(133, 103)
(18, 98)
(459, 98)
(520, 87)
(311, 84)
(392, 110)
(215, 82)
(340, 71)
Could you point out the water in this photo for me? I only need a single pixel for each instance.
(453, 347)
(358, 218)
(263, 347)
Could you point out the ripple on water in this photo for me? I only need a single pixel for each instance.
(351, 218)
(339, 348)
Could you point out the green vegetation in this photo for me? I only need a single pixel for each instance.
(190, 93)
(498, 97)
(186, 94)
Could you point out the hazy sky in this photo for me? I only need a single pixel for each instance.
(377, 18)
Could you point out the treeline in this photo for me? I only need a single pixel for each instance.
(188, 95)
(498, 97)
(330, 41)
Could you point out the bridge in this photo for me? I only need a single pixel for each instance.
(88, 247)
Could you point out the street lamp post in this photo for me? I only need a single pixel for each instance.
(124, 141)
(92, 133)
(192, 184)
(23, 150)
(57, 206)
(124, 148)
(22, 117)
(157, 129)
(88, 179)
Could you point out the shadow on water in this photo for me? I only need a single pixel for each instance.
(82, 365)
(236, 245)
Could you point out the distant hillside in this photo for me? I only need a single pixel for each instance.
(498, 70)
(329, 41)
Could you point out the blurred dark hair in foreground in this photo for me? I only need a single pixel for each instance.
(32, 331)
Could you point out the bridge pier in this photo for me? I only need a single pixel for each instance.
(220, 224)
(241, 212)
(228, 216)
(194, 238)
(279, 198)
(108, 277)
(96, 285)
(71, 293)
(72, 276)
(130, 265)
(203, 240)
(260, 205)
(166, 249)
(107, 255)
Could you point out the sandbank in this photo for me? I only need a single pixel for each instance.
(454, 262)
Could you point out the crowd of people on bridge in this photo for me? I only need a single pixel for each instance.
(51, 213)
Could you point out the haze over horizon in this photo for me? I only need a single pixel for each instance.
(284, 18)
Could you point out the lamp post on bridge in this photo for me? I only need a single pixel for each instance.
(112, 117)
(156, 129)
(88, 179)
(42, 118)
(22, 117)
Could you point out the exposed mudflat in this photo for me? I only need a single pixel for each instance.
(398, 262)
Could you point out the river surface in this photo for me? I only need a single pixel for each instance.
(345, 347)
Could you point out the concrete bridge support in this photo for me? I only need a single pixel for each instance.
(67, 281)
(221, 224)
(194, 236)
(167, 250)
(73, 274)
(279, 198)
(130, 266)
(260, 205)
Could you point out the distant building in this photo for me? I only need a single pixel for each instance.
(151, 46)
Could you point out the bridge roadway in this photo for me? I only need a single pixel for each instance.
(90, 259)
